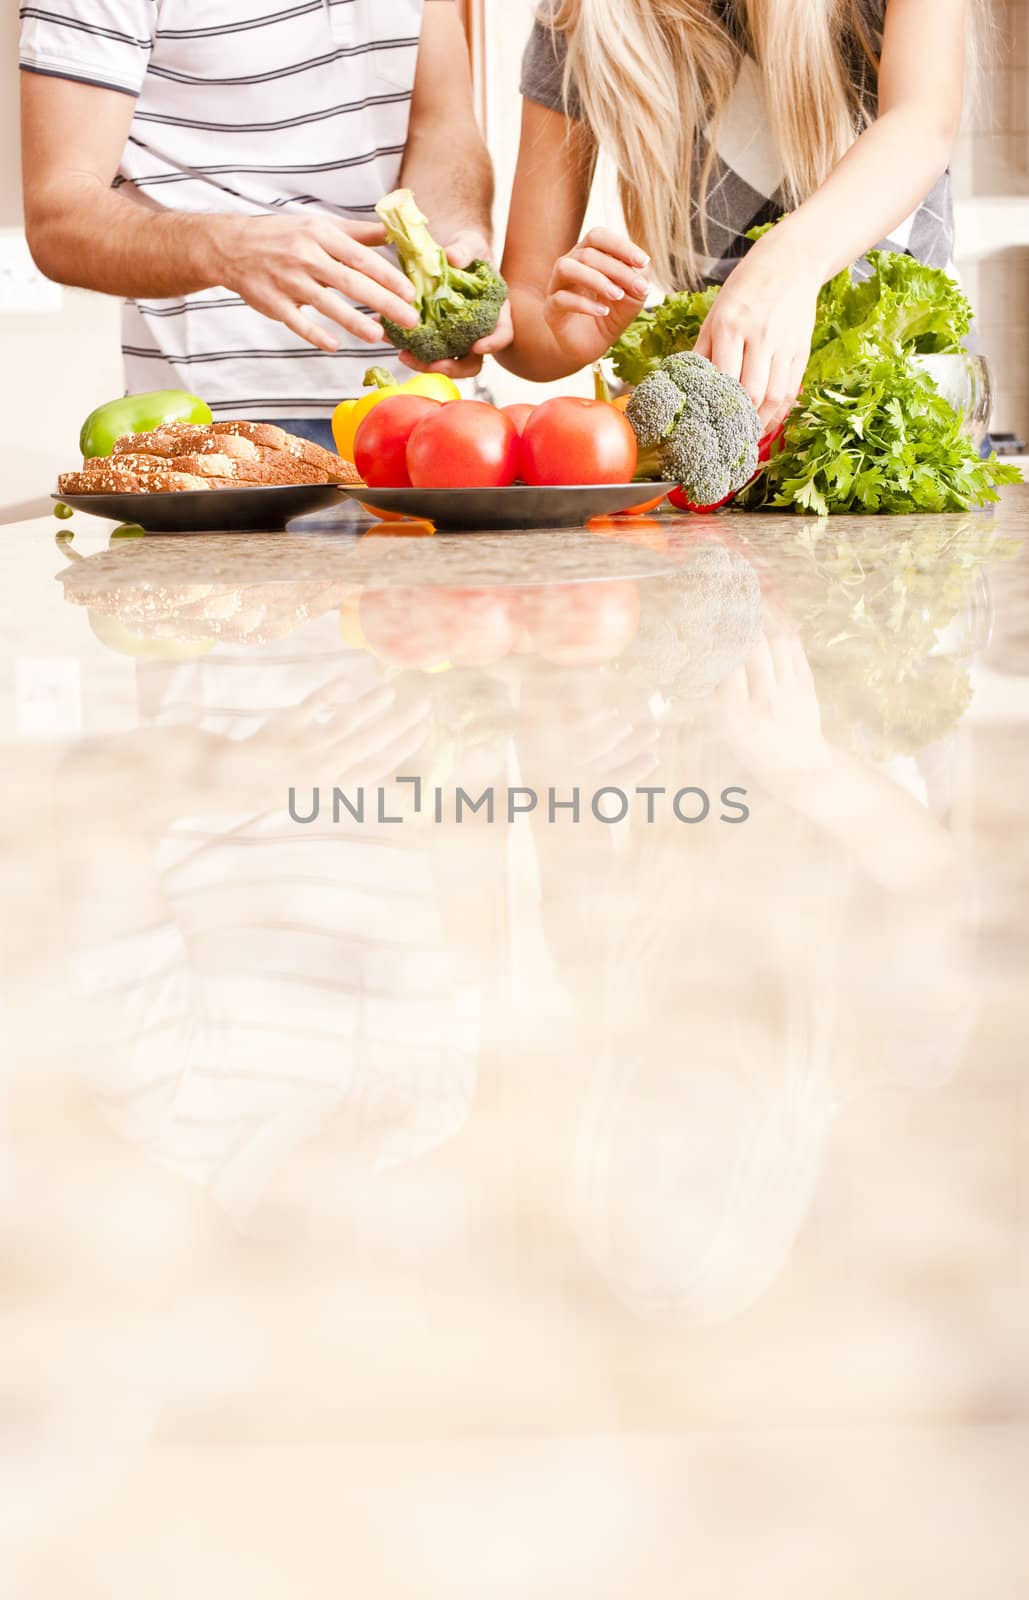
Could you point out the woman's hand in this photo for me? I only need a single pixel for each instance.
(759, 329)
(593, 295)
(462, 250)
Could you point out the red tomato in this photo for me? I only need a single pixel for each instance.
(582, 624)
(465, 444)
(519, 413)
(380, 448)
(571, 441)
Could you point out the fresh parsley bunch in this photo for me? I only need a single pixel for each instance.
(870, 432)
(878, 437)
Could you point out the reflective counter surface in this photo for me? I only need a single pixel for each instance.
(515, 1065)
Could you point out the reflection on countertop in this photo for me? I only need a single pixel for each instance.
(526, 1030)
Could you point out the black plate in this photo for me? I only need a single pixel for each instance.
(260, 509)
(519, 506)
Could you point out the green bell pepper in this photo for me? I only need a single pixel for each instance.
(138, 413)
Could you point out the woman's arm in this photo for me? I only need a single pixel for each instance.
(570, 301)
(447, 164)
(760, 327)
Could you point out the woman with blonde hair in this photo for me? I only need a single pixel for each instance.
(719, 115)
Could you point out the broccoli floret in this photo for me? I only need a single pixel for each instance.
(457, 307)
(654, 410)
(697, 426)
(693, 458)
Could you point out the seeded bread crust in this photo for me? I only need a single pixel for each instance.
(173, 439)
(186, 455)
(277, 468)
(111, 481)
(265, 434)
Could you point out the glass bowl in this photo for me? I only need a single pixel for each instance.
(963, 380)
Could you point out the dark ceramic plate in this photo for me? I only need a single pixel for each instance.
(261, 509)
(518, 507)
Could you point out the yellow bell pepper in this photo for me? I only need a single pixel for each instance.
(349, 414)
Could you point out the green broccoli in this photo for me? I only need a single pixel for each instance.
(697, 426)
(457, 308)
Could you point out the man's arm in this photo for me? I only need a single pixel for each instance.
(82, 232)
(446, 162)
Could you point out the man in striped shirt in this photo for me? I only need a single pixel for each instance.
(217, 164)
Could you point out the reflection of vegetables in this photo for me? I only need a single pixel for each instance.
(350, 629)
(871, 619)
(457, 307)
(581, 624)
(698, 625)
(697, 426)
(431, 629)
(138, 413)
(349, 414)
(870, 432)
(114, 634)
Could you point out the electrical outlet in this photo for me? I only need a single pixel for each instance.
(22, 285)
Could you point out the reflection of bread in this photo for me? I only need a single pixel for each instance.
(185, 455)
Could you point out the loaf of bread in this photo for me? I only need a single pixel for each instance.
(186, 455)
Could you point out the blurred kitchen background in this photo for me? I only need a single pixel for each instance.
(60, 347)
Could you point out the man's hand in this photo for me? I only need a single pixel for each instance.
(462, 250)
(83, 232)
(281, 265)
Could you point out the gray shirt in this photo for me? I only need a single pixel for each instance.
(746, 186)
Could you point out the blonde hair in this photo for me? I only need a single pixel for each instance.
(653, 76)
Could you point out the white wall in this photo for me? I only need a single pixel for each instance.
(56, 366)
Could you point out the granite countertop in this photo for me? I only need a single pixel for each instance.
(597, 1157)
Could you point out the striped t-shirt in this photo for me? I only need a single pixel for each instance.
(280, 106)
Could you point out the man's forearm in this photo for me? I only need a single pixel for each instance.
(92, 237)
